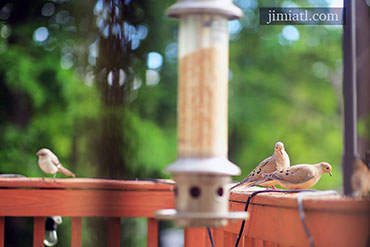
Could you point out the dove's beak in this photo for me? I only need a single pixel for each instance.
(330, 174)
(281, 151)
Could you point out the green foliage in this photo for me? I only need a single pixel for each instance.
(156, 147)
(280, 90)
(285, 90)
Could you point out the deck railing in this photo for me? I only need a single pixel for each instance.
(274, 218)
(79, 198)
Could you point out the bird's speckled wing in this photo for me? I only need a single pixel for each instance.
(294, 175)
(256, 174)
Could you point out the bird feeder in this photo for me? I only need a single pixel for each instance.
(202, 170)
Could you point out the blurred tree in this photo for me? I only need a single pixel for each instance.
(52, 53)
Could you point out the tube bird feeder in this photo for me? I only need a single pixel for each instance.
(202, 170)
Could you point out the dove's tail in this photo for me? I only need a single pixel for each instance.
(66, 171)
(246, 184)
(250, 184)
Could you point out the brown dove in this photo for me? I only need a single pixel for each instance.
(279, 160)
(301, 176)
(49, 163)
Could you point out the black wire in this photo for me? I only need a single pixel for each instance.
(247, 204)
(210, 237)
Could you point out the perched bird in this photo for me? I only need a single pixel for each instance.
(360, 179)
(279, 160)
(49, 163)
(301, 176)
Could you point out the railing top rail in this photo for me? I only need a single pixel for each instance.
(88, 183)
(329, 203)
(314, 202)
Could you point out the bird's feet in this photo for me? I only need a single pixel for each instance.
(273, 187)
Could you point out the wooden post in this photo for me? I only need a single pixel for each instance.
(38, 231)
(2, 228)
(76, 232)
(218, 237)
(349, 93)
(114, 232)
(152, 240)
(229, 239)
(195, 237)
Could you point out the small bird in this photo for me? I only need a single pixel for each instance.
(278, 161)
(360, 179)
(49, 163)
(301, 176)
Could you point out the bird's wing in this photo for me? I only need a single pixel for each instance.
(265, 163)
(257, 172)
(62, 169)
(54, 160)
(294, 175)
(255, 177)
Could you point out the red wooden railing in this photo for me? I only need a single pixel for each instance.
(274, 218)
(79, 198)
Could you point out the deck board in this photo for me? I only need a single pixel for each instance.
(152, 236)
(273, 216)
(76, 232)
(2, 225)
(114, 232)
(38, 231)
(83, 203)
(88, 183)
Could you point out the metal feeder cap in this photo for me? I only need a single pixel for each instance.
(212, 165)
(213, 7)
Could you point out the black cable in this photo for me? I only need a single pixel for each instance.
(248, 201)
(210, 237)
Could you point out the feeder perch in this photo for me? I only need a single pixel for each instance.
(202, 171)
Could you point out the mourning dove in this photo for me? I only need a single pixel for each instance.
(49, 163)
(360, 179)
(301, 176)
(279, 160)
